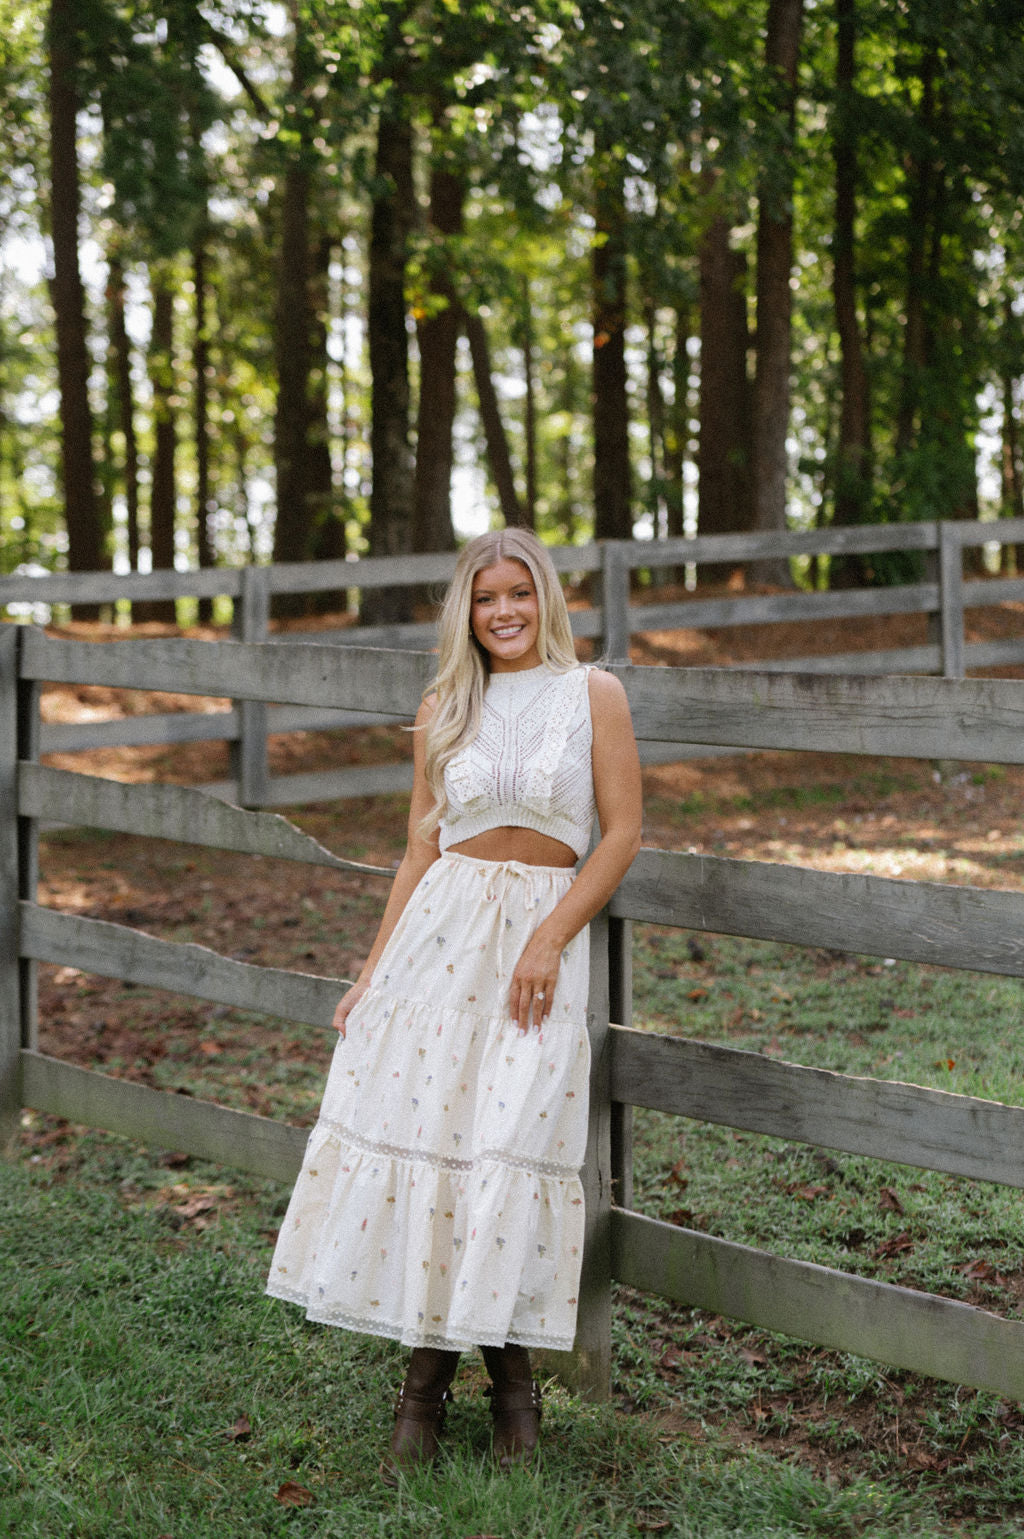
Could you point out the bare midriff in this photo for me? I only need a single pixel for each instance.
(526, 845)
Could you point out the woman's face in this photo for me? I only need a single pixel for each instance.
(504, 616)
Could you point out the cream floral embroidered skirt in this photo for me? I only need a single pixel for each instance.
(439, 1201)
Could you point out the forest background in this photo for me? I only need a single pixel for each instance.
(276, 278)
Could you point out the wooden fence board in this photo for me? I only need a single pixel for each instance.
(139, 731)
(390, 682)
(198, 727)
(160, 811)
(908, 1124)
(108, 587)
(236, 1139)
(900, 717)
(116, 951)
(982, 592)
(709, 549)
(923, 659)
(967, 927)
(766, 609)
(325, 785)
(917, 1331)
(368, 572)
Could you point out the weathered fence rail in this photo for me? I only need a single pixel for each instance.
(957, 927)
(612, 619)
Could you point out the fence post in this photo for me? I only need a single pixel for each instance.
(28, 692)
(10, 972)
(620, 1003)
(250, 766)
(951, 601)
(588, 1367)
(615, 601)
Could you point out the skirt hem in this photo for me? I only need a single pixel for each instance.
(535, 1341)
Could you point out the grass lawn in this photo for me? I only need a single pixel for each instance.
(149, 1389)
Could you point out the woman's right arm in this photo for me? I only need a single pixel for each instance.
(419, 854)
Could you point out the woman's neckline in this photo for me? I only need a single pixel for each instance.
(517, 673)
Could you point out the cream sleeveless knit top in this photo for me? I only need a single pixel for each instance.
(529, 765)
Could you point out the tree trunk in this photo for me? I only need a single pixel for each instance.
(774, 295)
(1011, 465)
(329, 542)
(85, 540)
(853, 462)
(391, 497)
(677, 425)
(921, 173)
(121, 371)
(162, 489)
(853, 454)
(438, 337)
(201, 410)
(656, 479)
(498, 457)
(613, 519)
(293, 326)
(725, 504)
(529, 410)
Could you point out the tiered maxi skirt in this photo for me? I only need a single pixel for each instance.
(439, 1201)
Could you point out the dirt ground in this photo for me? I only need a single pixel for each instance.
(949, 823)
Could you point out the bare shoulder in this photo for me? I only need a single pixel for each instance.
(428, 705)
(607, 696)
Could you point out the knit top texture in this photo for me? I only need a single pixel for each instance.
(529, 765)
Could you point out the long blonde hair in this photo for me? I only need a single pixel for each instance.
(462, 671)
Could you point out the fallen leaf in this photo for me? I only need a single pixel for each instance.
(210, 1049)
(755, 1359)
(676, 1177)
(293, 1495)
(899, 1243)
(195, 1206)
(240, 1431)
(807, 1193)
(697, 994)
(889, 1200)
(981, 1271)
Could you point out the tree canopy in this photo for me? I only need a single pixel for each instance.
(326, 276)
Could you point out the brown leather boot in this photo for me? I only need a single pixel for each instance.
(515, 1404)
(419, 1412)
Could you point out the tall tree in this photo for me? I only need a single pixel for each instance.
(163, 488)
(438, 332)
(725, 502)
(85, 535)
(391, 500)
(771, 401)
(120, 369)
(853, 451)
(294, 323)
(613, 516)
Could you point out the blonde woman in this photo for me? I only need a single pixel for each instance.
(439, 1201)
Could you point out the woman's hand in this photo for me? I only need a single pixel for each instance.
(346, 1005)
(533, 983)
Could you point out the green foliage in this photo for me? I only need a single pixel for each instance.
(191, 115)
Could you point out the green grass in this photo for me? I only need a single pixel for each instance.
(134, 1335)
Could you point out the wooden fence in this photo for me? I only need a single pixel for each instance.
(943, 595)
(957, 927)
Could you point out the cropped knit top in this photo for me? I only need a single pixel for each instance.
(529, 765)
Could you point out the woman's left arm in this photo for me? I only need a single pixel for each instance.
(617, 792)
